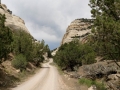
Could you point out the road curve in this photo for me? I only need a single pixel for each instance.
(46, 79)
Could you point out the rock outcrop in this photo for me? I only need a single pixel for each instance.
(79, 28)
(13, 22)
(54, 52)
(107, 71)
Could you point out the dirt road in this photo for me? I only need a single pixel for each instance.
(46, 79)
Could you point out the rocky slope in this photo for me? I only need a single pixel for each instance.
(79, 29)
(13, 22)
(106, 71)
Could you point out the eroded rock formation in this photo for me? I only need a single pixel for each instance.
(12, 21)
(79, 28)
(107, 71)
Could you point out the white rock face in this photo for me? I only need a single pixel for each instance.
(12, 21)
(79, 29)
(54, 52)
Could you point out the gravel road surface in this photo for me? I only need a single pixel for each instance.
(47, 78)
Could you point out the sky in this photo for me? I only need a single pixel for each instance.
(49, 19)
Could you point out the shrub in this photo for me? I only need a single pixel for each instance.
(73, 54)
(5, 38)
(88, 82)
(68, 55)
(87, 53)
(19, 62)
(25, 44)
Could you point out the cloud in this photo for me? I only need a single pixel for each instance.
(48, 19)
(44, 32)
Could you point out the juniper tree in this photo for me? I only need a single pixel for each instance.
(5, 38)
(106, 28)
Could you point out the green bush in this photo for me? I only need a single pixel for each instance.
(25, 44)
(67, 56)
(5, 38)
(88, 82)
(87, 53)
(106, 28)
(74, 54)
(19, 62)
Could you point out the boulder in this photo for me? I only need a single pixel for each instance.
(105, 70)
(93, 87)
(98, 70)
(114, 77)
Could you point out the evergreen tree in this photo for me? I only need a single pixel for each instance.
(5, 38)
(106, 28)
(37, 53)
(74, 53)
(19, 62)
(47, 49)
(24, 44)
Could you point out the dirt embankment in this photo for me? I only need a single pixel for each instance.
(7, 75)
(10, 77)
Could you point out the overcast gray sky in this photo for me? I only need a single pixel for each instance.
(48, 19)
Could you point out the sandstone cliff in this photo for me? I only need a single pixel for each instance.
(12, 21)
(79, 29)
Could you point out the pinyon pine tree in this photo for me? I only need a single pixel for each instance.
(5, 38)
(106, 27)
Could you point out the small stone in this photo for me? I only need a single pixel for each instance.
(93, 87)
